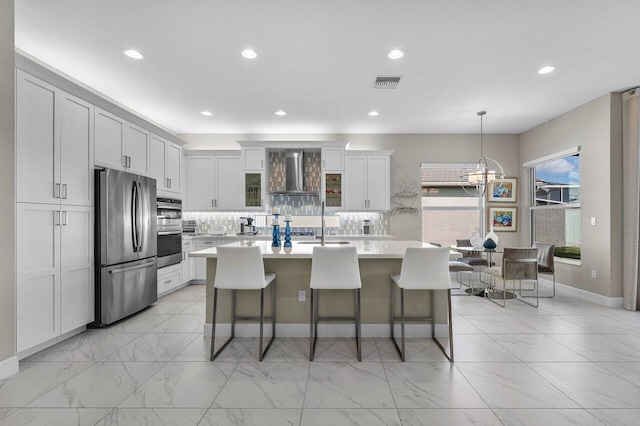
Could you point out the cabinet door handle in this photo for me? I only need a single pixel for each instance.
(56, 191)
(64, 187)
(216, 203)
(169, 182)
(56, 218)
(168, 281)
(65, 218)
(124, 159)
(212, 203)
(261, 164)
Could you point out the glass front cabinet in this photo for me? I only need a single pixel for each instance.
(332, 190)
(253, 187)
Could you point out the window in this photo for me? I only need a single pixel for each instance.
(448, 212)
(555, 211)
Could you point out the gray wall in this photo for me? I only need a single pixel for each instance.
(410, 151)
(7, 182)
(596, 127)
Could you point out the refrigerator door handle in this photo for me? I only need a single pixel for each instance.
(139, 213)
(131, 268)
(134, 217)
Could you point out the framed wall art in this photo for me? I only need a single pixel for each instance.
(503, 219)
(503, 192)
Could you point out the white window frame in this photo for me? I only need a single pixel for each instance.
(531, 165)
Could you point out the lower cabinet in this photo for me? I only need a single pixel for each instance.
(55, 271)
(169, 278)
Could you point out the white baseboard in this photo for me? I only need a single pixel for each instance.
(49, 343)
(9, 367)
(328, 330)
(577, 293)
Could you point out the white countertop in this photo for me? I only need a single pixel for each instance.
(381, 249)
(294, 238)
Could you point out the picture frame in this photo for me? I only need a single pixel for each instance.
(505, 191)
(503, 219)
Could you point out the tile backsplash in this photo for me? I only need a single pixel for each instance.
(348, 223)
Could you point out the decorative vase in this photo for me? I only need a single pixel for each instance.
(491, 240)
(477, 241)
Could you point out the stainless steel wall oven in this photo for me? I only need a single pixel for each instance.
(169, 231)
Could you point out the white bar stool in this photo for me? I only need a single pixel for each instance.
(334, 268)
(422, 269)
(242, 268)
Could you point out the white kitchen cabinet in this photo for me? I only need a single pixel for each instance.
(187, 247)
(200, 183)
(214, 182)
(169, 279)
(109, 140)
(54, 271)
(121, 145)
(54, 158)
(253, 158)
(332, 158)
(227, 182)
(136, 142)
(76, 268)
(173, 167)
(367, 182)
(76, 151)
(164, 164)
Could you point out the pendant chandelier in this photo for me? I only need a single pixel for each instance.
(475, 176)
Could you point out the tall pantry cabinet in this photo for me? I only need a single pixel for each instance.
(54, 166)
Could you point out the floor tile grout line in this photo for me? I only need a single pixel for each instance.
(105, 416)
(92, 363)
(142, 384)
(554, 386)
(384, 371)
(304, 397)
(478, 393)
(598, 363)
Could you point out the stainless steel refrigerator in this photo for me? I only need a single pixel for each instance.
(126, 246)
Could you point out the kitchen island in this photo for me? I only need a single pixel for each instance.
(377, 261)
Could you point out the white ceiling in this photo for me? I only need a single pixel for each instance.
(317, 60)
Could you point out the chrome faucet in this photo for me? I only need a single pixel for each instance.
(322, 231)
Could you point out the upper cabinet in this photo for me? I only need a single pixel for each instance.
(367, 181)
(253, 158)
(165, 165)
(136, 149)
(214, 182)
(109, 139)
(121, 145)
(332, 158)
(54, 147)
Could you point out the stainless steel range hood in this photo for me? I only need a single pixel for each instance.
(294, 174)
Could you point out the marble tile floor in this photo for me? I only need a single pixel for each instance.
(567, 363)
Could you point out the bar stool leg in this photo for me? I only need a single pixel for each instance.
(273, 310)
(311, 338)
(358, 325)
(213, 325)
(233, 313)
(402, 322)
(261, 322)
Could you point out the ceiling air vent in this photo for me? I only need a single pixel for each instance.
(387, 82)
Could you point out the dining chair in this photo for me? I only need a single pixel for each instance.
(242, 268)
(422, 269)
(334, 268)
(518, 264)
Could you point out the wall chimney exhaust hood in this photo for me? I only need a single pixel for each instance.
(294, 174)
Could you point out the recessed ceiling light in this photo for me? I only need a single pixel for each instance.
(133, 54)
(373, 113)
(280, 112)
(546, 70)
(249, 54)
(396, 54)
(207, 113)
